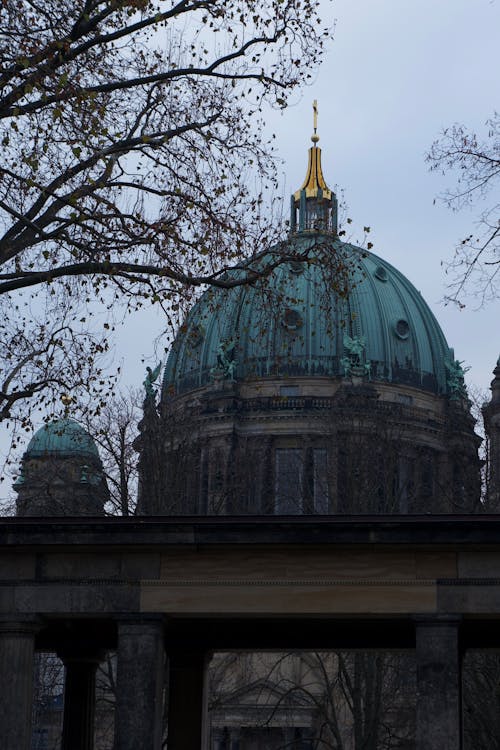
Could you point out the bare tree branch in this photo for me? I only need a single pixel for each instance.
(474, 267)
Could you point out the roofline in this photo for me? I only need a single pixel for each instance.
(251, 530)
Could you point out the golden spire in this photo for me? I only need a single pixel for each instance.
(314, 180)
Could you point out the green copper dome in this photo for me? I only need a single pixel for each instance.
(64, 436)
(337, 310)
(301, 325)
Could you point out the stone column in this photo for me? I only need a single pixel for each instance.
(439, 699)
(79, 699)
(17, 641)
(187, 725)
(139, 684)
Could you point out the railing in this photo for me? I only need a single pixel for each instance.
(392, 409)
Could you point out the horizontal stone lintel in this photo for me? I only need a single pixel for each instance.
(305, 597)
(150, 531)
(332, 583)
(286, 598)
(360, 565)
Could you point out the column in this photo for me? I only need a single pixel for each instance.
(187, 725)
(17, 641)
(439, 709)
(79, 699)
(139, 688)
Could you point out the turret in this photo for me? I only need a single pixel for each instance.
(314, 206)
(61, 473)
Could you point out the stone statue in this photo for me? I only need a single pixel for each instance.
(226, 364)
(354, 362)
(455, 379)
(355, 347)
(151, 376)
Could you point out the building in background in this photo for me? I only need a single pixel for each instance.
(326, 387)
(61, 473)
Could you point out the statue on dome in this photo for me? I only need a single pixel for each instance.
(355, 346)
(354, 362)
(151, 377)
(455, 379)
(226, 363)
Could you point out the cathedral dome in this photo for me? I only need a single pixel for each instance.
(299, 323)
(62, 437)
(325, 386)
(332, 310)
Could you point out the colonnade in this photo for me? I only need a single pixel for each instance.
(142, 651)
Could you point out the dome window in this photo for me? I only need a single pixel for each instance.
(402, 329)
(292, 319)
(381, 273)
(296, 266)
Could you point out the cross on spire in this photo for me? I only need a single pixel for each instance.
(315, 136)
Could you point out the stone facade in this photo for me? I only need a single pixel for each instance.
(311, 445)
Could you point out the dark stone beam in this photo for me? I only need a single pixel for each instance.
(290, 633)
(92, 633)
(273, 633)
(300, 530)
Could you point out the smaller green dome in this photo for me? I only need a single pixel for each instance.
(64, 436)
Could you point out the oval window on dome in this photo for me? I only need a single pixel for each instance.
(402, 328)
(292, 319)
(381, 273)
